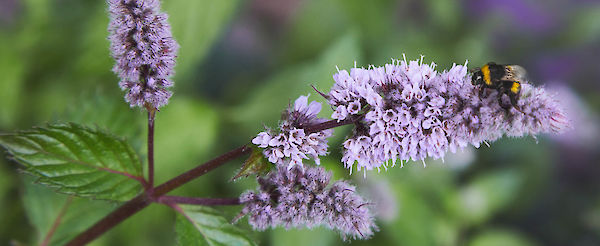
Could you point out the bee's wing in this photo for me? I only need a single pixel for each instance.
(517, 73)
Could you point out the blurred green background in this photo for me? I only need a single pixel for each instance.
(242, 62)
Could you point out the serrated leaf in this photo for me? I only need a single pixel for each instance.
(43, 207)
(256, 164)
(201, 225)
(77, 160)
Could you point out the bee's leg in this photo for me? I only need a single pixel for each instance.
(483, 92)
(513, 102)
(501, 103)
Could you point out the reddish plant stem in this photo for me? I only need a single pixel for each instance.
(200, 170)
(331, 124)
(138, 203)
(151, 116)
(115, 217)
(57, 221)
(198, 200)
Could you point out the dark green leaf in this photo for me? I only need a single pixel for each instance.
(77, 160)
(256, 164)
(205, 226)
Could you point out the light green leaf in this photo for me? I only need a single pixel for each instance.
(319, 236)
(12, 68)
(500, 237)
(196, 25)
(77, 160)
(43, 207)
(256, 164)
(110, 112)
(205, 226)
(186, 130)
(487, 194)
(266, 102)
(584, 27)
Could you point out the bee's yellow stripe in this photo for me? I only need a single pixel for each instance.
(486, 74)
(515, 88)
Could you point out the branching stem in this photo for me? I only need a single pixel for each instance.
(199, 200)
(157, 194)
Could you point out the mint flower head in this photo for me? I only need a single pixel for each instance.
(292, 144)
(144, 50)
(413, 112)
(301, 198)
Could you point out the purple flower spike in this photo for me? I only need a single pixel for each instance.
(144, 50)
(413, 112)
(291, 145)
(293, 198)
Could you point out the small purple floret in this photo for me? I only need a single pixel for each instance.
(291, 144)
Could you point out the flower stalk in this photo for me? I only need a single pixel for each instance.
(151, 118)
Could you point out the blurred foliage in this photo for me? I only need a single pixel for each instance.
(242, 62)
(43, 207)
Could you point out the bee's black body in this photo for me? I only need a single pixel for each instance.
(506, 79)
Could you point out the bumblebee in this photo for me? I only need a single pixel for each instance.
(506, 79)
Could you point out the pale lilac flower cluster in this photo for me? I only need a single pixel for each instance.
(291, 144)
(144, 50)
(297, 198)
(413, 112)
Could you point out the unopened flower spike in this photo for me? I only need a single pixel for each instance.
(144, 51)
(412, 112)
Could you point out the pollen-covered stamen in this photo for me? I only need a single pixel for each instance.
(354, 107)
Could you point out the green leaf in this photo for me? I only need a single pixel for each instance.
(186, 130)
(267, 101)
(256, 164)
(77, 160)
(196, 25)
(303, 237)
(12, 68)
(43, 207)
(487, 194)
(201, 225)
(499, 237)
(110, 112)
